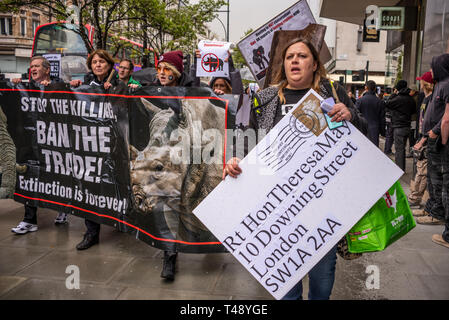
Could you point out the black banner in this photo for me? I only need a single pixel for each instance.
(138, 162)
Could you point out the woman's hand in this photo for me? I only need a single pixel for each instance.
(75, 83)
(133, 86)
(419, 145)
(339, 113)
(432, 135)
(218, 92)
(232, 168)
(45, 83)
(107, 85)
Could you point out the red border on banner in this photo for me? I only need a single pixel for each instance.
(121, 221)
(132, 97)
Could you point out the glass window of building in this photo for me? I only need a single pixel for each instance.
(6, 26)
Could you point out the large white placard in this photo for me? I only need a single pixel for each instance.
(212, 61)
(301, 189)
(255, 47)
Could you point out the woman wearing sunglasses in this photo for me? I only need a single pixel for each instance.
(170, 71)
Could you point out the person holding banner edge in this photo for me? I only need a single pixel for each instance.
(301, 71)
(170, 73)
(40, 76)
(101, 65)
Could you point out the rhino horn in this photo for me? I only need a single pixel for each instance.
(133, 153)
(149, 106)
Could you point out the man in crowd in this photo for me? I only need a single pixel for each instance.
(373, 109)
(40, 76)
(402, 107)
(125, 70)
(435, 127)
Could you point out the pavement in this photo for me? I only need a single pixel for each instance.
(37, 266)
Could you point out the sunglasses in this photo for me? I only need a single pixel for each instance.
(162, 69)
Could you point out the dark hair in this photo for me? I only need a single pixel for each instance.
(102, 54)
(280, 78)
(131, 64)
(371, 85)
(226, 81)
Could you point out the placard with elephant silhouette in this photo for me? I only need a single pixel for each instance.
(139, 162)
(214, 59)
(255, 47)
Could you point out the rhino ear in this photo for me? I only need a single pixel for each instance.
(149, 106)
(133, 153)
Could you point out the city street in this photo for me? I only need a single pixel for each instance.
(33, 266)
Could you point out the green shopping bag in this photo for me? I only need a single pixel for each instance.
(388, 220)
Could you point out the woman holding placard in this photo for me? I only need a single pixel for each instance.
(301, 71)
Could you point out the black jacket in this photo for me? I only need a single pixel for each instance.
(402, 107)
(373, 110)
(440, 95)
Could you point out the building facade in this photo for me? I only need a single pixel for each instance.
(16, 39)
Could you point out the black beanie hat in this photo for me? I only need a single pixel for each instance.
(402, 84)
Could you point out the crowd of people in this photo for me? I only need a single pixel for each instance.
(391, 117)
(170, 73)
(416, 117)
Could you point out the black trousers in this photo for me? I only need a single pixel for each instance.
(400, 141)
(30, 214)
(93, 228)
(435, 178)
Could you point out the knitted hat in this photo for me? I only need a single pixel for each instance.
(402, 84)
(427, 77)
(174, 58)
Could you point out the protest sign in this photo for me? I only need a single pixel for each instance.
(55, 64)
(87, 153)
(301, 189)
(212, 61)
(256, 46)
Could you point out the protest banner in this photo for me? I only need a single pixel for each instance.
(212, 62)
(85, 153)
(301, 189)
(256, 46)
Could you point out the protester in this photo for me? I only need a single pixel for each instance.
(100, 64)
(373, 110)
(402, 107)
(351, 96)
(443, 239)
(125, 70)
(40, 76)
(418, 185)
(438, 185)
(301, 71)
(221, 85)
(414, 93)
(170, 73)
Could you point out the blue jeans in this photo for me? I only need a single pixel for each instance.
(321, 279)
